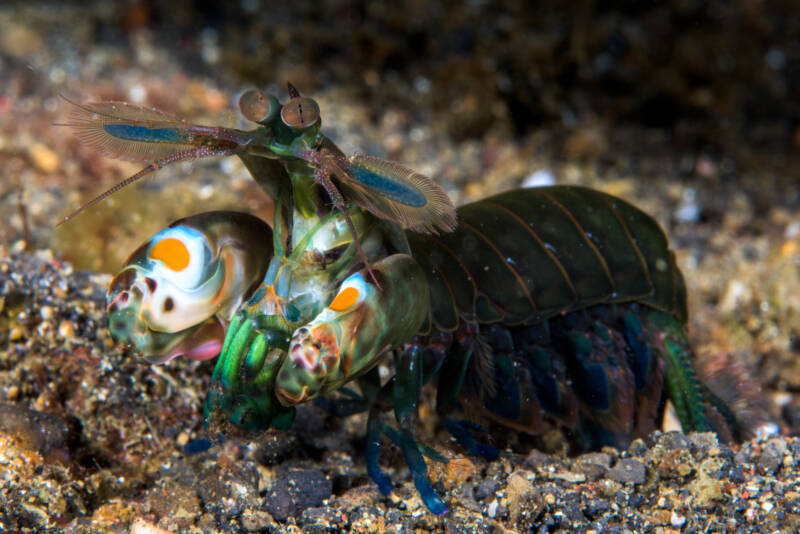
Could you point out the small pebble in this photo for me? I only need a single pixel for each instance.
(568, 476)
(43, 158)
(37, 430)
(16, 333)
(628, 471)
(66, 329)
(140, 526)
(596, 458)
(677, 520)
(182, 439)
(491, 511)
(540, 178)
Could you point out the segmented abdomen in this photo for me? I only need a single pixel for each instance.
(527, 255)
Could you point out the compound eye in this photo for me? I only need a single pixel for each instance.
(300, 113)
(258, 106)
(351, 294)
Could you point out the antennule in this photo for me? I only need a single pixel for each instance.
(199, 152)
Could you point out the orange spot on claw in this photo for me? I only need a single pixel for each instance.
(172, 252)
(346, 298)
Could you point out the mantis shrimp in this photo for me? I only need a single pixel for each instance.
(553, 307)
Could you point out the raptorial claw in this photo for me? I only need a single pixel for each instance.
(177, 290)
(315, 355)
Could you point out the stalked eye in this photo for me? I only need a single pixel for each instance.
(258, 107)
(300, 113)
(351, 293)
(172, 252)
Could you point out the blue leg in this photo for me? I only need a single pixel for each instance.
(351, 403)
(373, 451)
(419, 470)
(403, 391)
(413, 456)
(406, 391)
(461, 431)
(396, 437)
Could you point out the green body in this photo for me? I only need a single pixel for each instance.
(322, 350)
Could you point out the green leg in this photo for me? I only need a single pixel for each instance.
(241, 391)
(407, 384)
(451, 375)
(667, 335)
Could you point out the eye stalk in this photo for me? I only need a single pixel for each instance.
(300, 113)
(258, 106)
